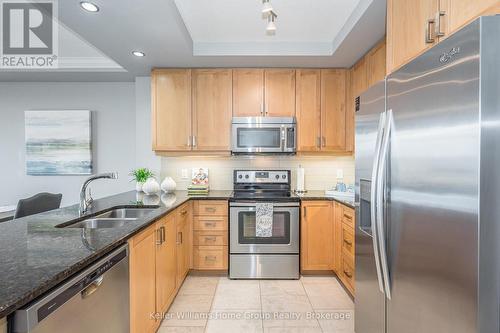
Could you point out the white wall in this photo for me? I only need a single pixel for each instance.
(114, 139)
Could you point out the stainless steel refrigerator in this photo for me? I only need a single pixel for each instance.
(428, 191)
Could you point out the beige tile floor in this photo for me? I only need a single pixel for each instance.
(217, 304)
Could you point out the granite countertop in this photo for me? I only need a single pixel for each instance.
(320, 195)
(36, 256)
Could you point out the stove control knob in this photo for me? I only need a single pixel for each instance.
(240, 176)
(246, 176)
(277, 176)
(283, 176)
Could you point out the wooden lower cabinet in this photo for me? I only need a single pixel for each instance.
(327, 239)
(183, 241)
(166, 270)
(143, 281)
(210, 235)
(316, 235)
(159, 262)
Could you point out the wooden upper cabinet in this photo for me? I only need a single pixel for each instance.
(279, 95)
(376, 60)
(333, 111)
(248, 92)
(317, 235)
(308, 109)
(406, 29)
(171, 104)
(457, 13)
(212, 109)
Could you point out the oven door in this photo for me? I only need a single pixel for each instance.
(263, 138)
(285, 235)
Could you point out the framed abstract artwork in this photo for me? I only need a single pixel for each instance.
(58, 142)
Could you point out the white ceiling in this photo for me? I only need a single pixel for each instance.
(157, 28)
(237, 27)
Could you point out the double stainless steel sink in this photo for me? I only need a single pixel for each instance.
(113, 218)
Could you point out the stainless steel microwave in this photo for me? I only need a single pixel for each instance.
(256, 135)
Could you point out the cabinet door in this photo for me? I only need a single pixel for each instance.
(142, 281)
(337, 247)
(459, 12)
(171, 104)
(376, 59)
(308, 109)
(183, 240)
(279, 96)
(212, 100)
(317, 240)
(333, 114)
(406, 29)
(166, 265)
(248, 92)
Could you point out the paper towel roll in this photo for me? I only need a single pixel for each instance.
(300, 179)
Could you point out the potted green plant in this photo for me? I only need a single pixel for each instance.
(140, 176)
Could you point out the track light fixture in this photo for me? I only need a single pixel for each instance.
(266, 7)
(271, 26)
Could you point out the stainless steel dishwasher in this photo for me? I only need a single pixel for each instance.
(95, 300)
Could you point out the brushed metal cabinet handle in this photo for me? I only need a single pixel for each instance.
(438, 32)
(163, 234)
(324, 141)
(348, 274)
(158, 236)
(210, 258)
(210, 209)
(347, 242)
(429, 35)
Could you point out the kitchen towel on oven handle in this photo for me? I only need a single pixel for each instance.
(263, 219)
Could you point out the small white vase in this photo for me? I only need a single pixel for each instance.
(151, 186)
(138, 186)
(168, 185)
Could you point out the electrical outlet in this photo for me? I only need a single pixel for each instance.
(340, 173)
(184, 174)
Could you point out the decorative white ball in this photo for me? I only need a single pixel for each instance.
(168, 185)
(151, 186)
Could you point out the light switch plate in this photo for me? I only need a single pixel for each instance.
(184, 174)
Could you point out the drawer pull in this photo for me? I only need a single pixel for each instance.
(348, 274)
(210, 224)
(183, 212)
(179, 237)
(210, 258)
(210, 209)
(158, 236)
(348, 216)
(211, 239)
(347, 242)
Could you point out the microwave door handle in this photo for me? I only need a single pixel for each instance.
(283, 138)
(382, 170)
(373, 201)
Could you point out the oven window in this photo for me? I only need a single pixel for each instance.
(281, 229)
(259, 137)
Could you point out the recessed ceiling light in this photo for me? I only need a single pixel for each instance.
(138, 53)
(89, 6)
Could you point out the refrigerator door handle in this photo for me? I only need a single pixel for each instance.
(373, 199)
(384, 150)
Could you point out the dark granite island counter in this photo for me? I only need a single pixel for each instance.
(35, 255)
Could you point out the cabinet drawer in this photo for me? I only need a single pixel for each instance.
(348, 216)
(210, 208)
(210, 223)
(210, 257)
(347, 274)
(210, 238)
(347, 240)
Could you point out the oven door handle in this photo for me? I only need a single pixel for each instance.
(251, 205)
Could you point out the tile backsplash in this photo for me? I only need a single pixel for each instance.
(320, 172)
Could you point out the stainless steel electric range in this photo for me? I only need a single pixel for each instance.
(252, 257)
